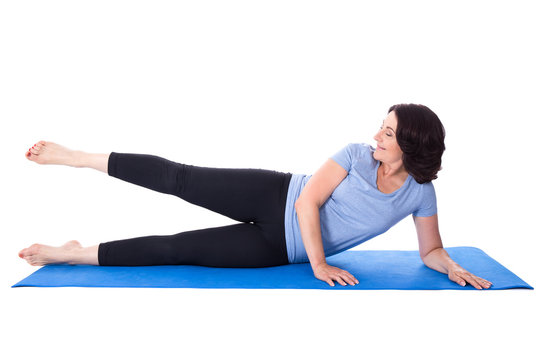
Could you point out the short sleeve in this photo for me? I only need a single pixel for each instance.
(344, 157)
(428, 202)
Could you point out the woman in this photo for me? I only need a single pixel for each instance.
(284, 218)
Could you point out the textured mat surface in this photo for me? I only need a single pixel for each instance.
(374, 269)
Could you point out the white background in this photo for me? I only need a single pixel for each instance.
(281, 85)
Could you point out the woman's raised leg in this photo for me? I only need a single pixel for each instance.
(245, 195)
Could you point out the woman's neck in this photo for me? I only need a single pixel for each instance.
(394, 170)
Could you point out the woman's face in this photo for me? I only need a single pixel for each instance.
(388, 150)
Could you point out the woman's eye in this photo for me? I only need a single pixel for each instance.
(386, 133)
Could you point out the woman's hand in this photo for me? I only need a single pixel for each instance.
(462, 277)
(328, 273)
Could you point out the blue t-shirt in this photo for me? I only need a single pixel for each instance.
(357, 210)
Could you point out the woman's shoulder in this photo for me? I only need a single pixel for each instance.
(360, 148)
(365, 153)
(354, 154)
(426, 189)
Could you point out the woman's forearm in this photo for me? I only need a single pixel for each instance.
(310, 229)
(438, 259)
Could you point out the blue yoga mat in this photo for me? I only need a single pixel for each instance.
(374, 269)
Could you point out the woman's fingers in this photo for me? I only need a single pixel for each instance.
(471, 280)
(346, 278)
(352, 278)
(330, 274)
(475, 281)
(478, 282)
(328, 279)
(483, 283)
(340, 280)
(336, 278)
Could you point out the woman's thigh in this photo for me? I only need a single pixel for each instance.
(246, 195)
(234, 246)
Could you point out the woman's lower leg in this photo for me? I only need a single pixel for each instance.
(93, 161)
(85, 255)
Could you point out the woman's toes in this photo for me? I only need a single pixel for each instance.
(29, 251)
(46, 152)
(35, 149)
(30, 259)
(39, 254)
(23, 253)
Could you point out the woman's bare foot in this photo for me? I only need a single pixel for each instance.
(46, 152)
(39, 254)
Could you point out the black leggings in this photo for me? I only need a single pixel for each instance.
(255, 197)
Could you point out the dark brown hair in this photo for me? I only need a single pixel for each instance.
(420, 135)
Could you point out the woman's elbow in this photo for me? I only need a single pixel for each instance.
(302, 202)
